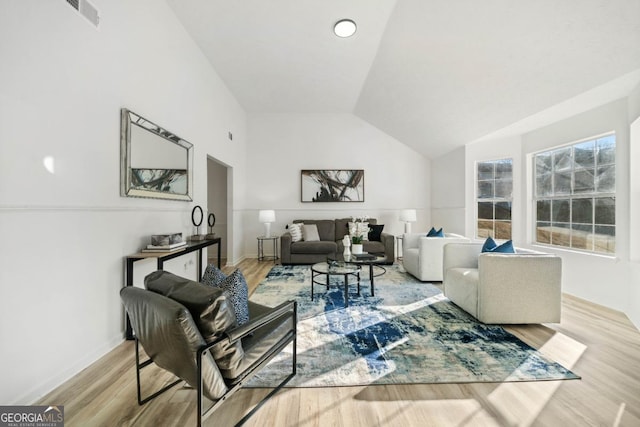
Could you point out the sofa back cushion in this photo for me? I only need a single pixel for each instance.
(326, 228)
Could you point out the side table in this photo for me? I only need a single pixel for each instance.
(261, 255)
(399, 246)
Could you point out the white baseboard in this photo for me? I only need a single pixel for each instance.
(49, 384)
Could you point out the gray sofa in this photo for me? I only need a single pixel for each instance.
(331, 232)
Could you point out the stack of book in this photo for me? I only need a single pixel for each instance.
(165, 248)
(364, 256)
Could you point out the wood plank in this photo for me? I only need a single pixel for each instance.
(598, 343)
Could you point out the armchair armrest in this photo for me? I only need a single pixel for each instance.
(461, 255)
(389, 242)
(285, 248)
(410, 240)
(286, 309)
(529, 283)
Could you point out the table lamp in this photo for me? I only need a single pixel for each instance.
(267, 217)
(408, 216)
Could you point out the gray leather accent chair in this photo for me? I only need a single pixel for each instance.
(190, 330)
(331, 232)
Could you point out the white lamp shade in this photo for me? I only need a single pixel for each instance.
(408, 215)
(267, 216)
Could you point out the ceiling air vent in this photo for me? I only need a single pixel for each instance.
(87, 10)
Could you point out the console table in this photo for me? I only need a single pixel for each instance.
(166, 256)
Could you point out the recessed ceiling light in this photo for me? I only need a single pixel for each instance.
(344, 28)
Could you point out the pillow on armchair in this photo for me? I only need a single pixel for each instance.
(491, 246)
(435, 233)
(235, 286)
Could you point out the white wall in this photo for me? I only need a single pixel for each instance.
(611, 281)
(280, 145)
(448, 192)
(634, 208)
(62, 84)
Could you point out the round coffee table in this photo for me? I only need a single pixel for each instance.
(372, 260)
(335, 268)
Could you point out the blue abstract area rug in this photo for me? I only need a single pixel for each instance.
(408, 333)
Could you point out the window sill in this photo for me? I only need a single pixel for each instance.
(612, 257)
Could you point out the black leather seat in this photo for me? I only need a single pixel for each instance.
(190, 330)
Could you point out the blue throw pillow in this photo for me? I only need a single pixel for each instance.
(489, 245)
(505, 248)
(212, 275)
(435, 233)
(235, 286)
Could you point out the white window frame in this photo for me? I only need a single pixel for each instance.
(571, 196)
(478, 200)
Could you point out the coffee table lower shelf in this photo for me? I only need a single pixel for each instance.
(328, 270)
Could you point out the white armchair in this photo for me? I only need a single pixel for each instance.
(519, 288)
(422, 255)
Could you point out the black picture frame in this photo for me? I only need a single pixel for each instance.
(331, 185)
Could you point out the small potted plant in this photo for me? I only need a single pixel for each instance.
(356, 244)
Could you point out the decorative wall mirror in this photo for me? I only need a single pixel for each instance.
(154, 162)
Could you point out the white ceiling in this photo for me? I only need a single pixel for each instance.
(433, 74)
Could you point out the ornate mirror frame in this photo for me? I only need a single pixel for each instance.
(154, 162)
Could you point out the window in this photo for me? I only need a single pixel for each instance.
(575, 195)
(495, 187)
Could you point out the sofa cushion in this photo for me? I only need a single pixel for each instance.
(310, 233)
(320, 247)
(373, 247)
(326, 227)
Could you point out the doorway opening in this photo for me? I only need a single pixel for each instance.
(219, 203)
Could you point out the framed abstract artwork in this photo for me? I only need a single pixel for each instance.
(332, 185)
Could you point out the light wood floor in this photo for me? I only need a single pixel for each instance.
(597, 343)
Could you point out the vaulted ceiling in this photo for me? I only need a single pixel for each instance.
(433, 74)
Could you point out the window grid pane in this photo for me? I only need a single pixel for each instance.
(494, 192)
(575, 195)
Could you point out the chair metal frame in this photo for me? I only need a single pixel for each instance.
(285, 309)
